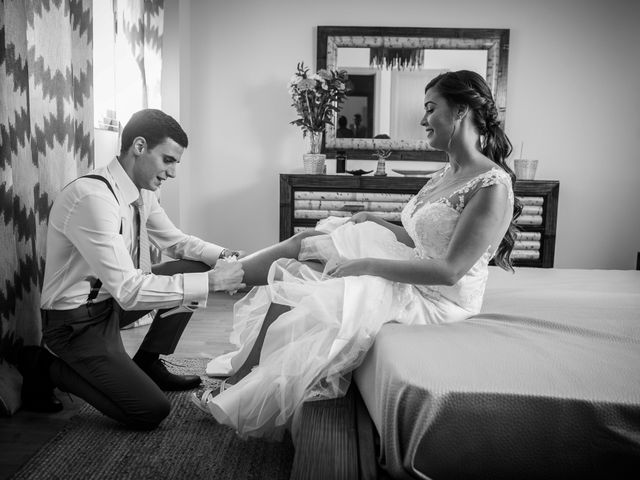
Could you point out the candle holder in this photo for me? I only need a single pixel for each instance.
(382, 158)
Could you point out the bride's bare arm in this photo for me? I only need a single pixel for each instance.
(482, 224)
(399, 231)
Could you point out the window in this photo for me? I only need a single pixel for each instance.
(104, 65)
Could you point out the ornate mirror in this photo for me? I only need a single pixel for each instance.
(388, 69)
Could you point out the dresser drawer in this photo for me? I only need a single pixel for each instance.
(322, 204)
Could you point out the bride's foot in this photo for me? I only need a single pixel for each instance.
(208, 395)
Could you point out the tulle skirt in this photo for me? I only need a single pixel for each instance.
(310, 350)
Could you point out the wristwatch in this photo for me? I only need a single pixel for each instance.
(226, 253)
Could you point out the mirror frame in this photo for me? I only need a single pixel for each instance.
(495, 41)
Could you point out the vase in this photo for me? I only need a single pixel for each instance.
(380, 167)
(525, 169)
(314, 160)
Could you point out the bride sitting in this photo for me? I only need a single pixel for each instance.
(326, 293)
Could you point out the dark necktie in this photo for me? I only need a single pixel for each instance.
(144, 254)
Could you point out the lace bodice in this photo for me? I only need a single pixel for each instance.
(430, 218)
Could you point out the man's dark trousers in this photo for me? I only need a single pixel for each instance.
(92, 362)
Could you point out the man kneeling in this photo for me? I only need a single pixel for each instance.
(99, 278)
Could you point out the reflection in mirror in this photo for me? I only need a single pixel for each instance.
(388, 69)
(386, 101)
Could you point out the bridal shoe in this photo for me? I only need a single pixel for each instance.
(208, 395)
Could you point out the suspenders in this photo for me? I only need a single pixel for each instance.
(97, 283)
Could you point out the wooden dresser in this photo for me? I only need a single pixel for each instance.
(305, 199)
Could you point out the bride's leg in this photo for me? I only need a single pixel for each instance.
(256, 265)
(275, 310)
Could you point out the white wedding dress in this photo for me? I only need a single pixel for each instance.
(310, 350)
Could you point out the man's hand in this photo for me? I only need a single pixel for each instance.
(226, 275)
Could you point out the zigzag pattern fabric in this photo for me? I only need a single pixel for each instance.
(139, 53)
(46, 135)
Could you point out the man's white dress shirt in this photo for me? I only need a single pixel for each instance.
(84, 243)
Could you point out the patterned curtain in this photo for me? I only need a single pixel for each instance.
(46, 140)
(139, 55)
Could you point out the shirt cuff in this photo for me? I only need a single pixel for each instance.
(196, 289)
(211, 252)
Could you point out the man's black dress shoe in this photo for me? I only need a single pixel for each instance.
(37, 388)
(44, 402)
(167, 380)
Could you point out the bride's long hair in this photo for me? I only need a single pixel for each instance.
(465, 87)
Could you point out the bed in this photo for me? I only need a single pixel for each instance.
(543, 383)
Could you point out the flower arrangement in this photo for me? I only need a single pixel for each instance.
(316, 97)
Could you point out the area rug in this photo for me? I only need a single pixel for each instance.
(188, 444)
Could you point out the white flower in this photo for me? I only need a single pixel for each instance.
(306, 84)
(325, 74)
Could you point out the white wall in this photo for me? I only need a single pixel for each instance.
(176, 61)
(105, 146)
(572, 98)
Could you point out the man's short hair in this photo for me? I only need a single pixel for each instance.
(154, 126)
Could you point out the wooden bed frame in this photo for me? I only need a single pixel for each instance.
(337, 440)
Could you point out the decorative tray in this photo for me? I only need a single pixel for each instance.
(415, 173)
(359, 172)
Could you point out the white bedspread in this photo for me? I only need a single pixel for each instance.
(544, 383)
